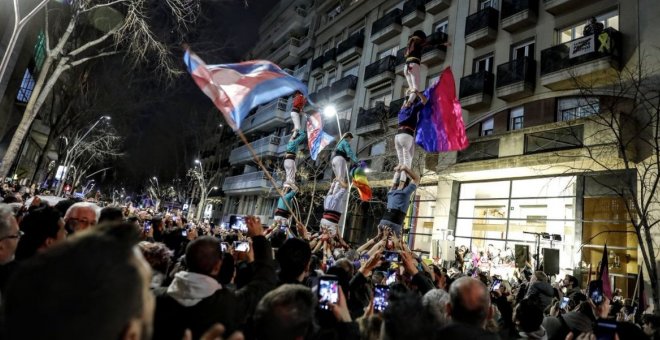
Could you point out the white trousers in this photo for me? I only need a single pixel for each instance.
(295, 117)
(339, 168)
(405, 148)
(411, 71)
(290, 169)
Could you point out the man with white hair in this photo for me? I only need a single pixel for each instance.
(81, 216)
(9, 237)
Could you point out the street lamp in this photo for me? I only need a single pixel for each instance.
(330, 111)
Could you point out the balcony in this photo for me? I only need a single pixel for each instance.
(317, 66)
(329, 61)
(476, 90)
(287, 54)
(588, 60)
(264, 148)
(373, 120)
(556, 7)
(386, 27)
(295, 24)
(350, 48)
(570, 137)
(519, 14)
(516, 79)
(305, 46)
(281, 149)
(321, 95)
(269, 116)
(481, 27)
(254, 182)
(434, 54)
(400, 61)
(302, 73)
(437, 6)
(343, 89)
(379, 72)
(479, 151)
(413, 12)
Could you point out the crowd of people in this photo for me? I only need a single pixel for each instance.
(75, 271)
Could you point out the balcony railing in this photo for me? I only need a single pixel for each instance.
(329, 55)
(395, 107)
(581, 50)
(393, 17)
(435, 42)
(280, 104)
(263, 147)
(487, 17)
(383, 65)
(412, 5)
(400, 56)
(373, 115)
(302, 72)
(321, 94)
(511, 7)
(558, 139)
(347, 83)
(480, 82)
(317, 62)
(251, 181)
(355, 40)
(477, 151)
(519, 70)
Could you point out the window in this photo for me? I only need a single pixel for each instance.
(378, 148)
(610, 19)
(338, 39)
(432, 79)
(388, 52)
(516, 120)
(385, 97)
(441, 26)
(356, 27)
(484, 63)
(576, 107)
(487, 127)
(27, 85)
(333, 12)
(39, 52)
(331, 78)
(487, 3)
(521, 50)
(399, 6)
(353, 70)
(318, 82)
(345, 114)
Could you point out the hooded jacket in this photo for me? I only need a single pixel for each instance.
(543, 291)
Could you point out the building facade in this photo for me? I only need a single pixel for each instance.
(520, 67)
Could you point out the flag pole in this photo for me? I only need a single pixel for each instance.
(267, 173)
(639, 277)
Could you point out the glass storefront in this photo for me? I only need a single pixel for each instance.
(420, 218)
(493, 217)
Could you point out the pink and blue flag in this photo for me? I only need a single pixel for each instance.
(235, 89)
(317, 139)
(440, 127)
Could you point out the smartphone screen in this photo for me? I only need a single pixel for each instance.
(496, 285)
(391, 278)
(241, 246)
(328, 292)
(147, 226)
(596, 292)
(391, 256)
(381, 297)
(224, 246)
(564, 303)
(184, 233)
(605, 330)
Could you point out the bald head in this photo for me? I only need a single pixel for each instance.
(469, 302)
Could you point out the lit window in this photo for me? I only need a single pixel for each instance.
(441, 26)
(609, 20)
(351, 71)
(575, 107)
(487, 127)
(517, 115)
(483, 4)
(27, 85)
(384, 97)
(484, 63)
(39, 52)
(388, 52)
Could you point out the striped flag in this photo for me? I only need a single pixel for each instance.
(317, 139)
(440, 127)
(361, 182)
(235, 89)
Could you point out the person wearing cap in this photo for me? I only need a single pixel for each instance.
(332, 205)
(398, 199)
(343, 154)
(282, 212)
(413, 55)
(299, 102)
(290, 159)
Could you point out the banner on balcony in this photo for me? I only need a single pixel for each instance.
(581, 46)
(440, 127)
(317, 139)
(235, 89)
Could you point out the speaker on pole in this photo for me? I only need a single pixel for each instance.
(551, 261)
(522, 255)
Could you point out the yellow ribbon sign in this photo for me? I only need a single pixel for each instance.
(605, 42)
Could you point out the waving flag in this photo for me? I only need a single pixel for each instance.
(604, 274)
(361, 182)
(317, 139)
(235, 89)
(440, 127)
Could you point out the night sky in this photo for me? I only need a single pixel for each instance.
(165, 124)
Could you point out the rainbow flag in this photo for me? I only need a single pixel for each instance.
(361, 182)
(440, 127)
(317, 139)
(235, 89)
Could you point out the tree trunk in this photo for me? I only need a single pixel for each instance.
(653, 274)
(43, 157)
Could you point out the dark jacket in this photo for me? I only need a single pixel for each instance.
(543, 291)
(229, 308)
(457, 330)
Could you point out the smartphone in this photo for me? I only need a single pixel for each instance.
(147, 226)
(241, 246)
(381, 297)
(596, 292)
(328, 291)
(605, 330)
(564, 303)
(391, 256)
(224, 246)
(496, 285)
(283, 227)
(391, 278)
(184, 233)
(175, 218)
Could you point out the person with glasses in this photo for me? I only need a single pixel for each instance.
(9, 237)
(81, 216)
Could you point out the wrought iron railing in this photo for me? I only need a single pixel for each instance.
(436, 41)
(487, 17)
(522, 69)
(355, 40)
(393, 17)
(480, 82)
(551, 140)
(400, 56)
(383, 65)
(349, 82)
(581, 50)
(511, 7)
(412, 5)
(372, 115)
(395, 107)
